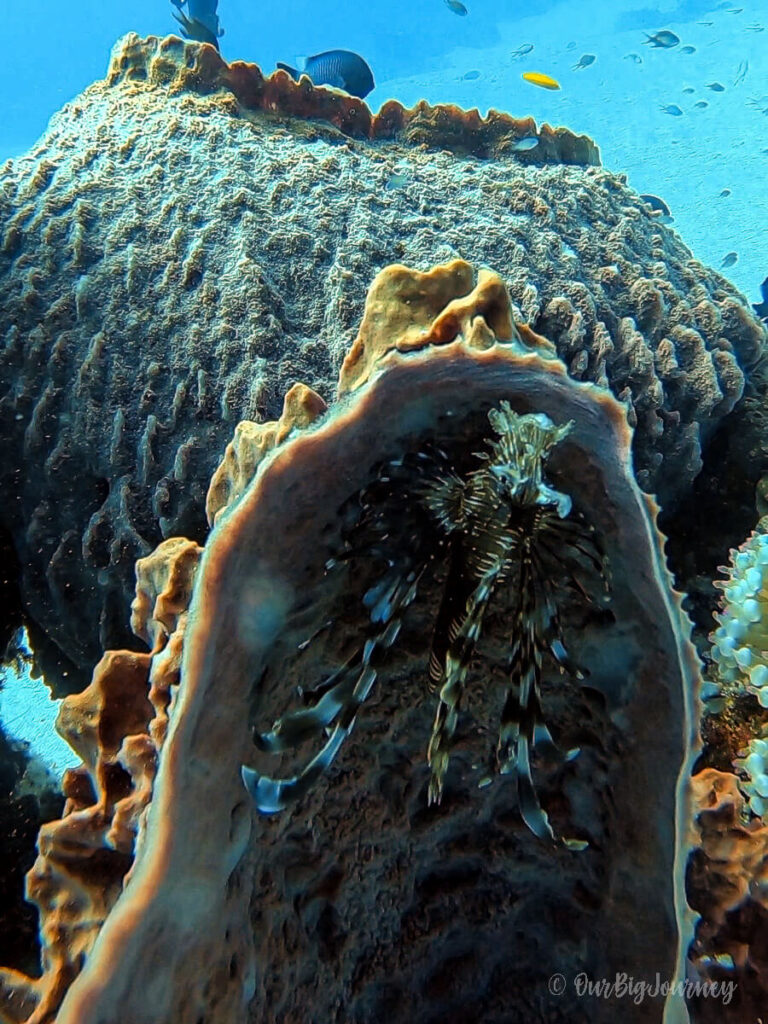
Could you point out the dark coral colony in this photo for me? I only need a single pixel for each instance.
(414, 699)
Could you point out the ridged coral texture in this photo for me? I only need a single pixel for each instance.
(173, 259)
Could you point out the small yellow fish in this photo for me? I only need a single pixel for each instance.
(537, 78)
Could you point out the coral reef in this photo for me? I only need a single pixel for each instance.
(727, 886)
(117, 725)
(189, 239)
(727, 877)
(740, 642)
(364, 897)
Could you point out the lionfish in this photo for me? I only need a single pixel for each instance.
(498, 524)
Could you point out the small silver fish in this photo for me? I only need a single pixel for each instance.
(730, 259)
(756, 28)
(673, 109)
(521, 51)
(470, 76)
(688, 90)
(664, 40)
(716, 87)
(741, 73)
(397, 179)
(688, 49)
(634, 57)
(584, 61)
(523, 145)
(701, 104)
(457, 7)
(724, 194)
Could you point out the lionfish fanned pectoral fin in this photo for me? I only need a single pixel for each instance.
(342, 701)
(444, 497)
(292, 729)
(272, 795)
(577, 545)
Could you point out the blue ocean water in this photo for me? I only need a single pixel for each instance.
(708, 162)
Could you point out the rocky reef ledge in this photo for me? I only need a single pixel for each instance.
(180, 66)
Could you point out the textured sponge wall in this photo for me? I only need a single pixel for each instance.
(171, 262)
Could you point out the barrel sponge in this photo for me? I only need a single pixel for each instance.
(407, 310)
(360, 891)
(163, 589)
(257, 277)
(187, 67)
(740, 642)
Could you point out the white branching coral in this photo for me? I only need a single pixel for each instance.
(755, 766)
(740, 642)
